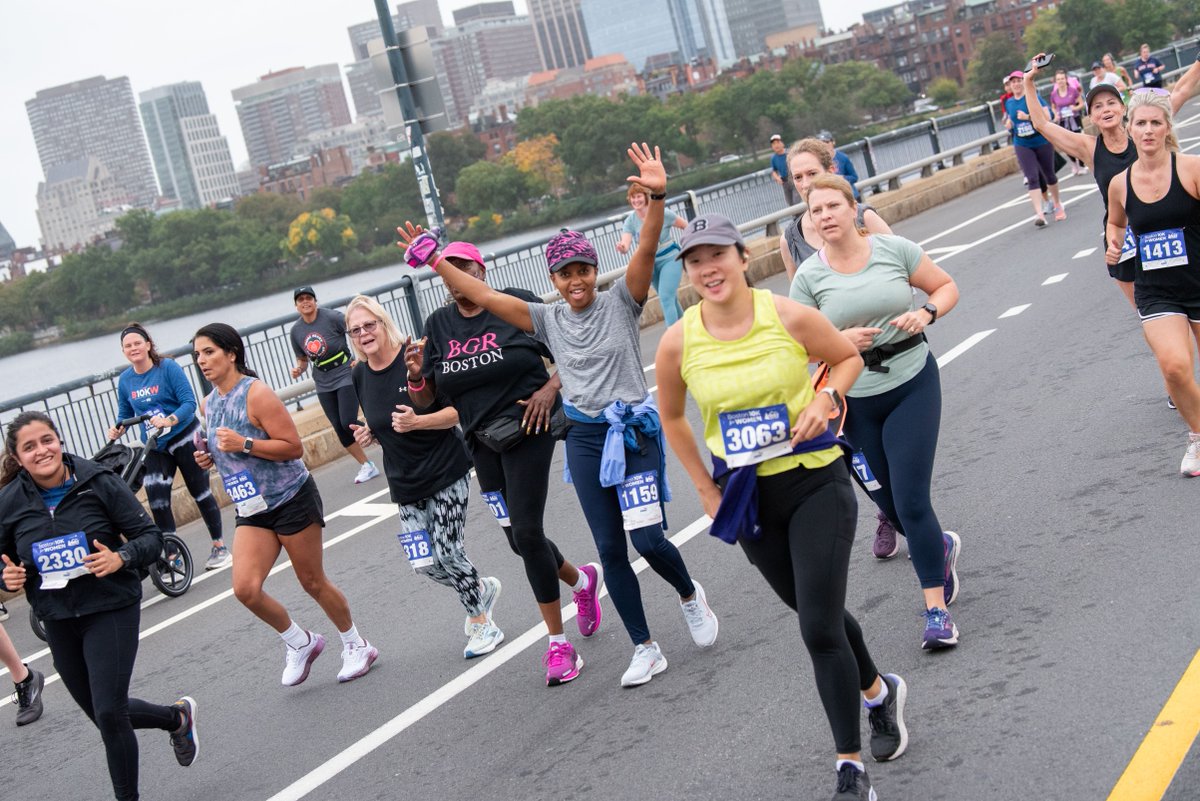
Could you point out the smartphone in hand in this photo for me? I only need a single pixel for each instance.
(1041, 62)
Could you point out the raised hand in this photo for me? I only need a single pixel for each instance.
(652, 174)
(407, 233)
(414, 357)
(13, 575)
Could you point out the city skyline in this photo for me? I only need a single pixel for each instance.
(222, 45)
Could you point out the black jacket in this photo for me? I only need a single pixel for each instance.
(101, 506)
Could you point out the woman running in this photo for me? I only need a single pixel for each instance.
(1066, 102)
(152, 384)
(253, 442)
(864, 284)
(807, 159)
(622, 485)
(85, 588)
(743, 353)
(1158, 197)
(1035, 154)
(495, 377)
(425, 463)
(667, 271)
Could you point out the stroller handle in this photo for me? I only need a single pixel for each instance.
(133, 421)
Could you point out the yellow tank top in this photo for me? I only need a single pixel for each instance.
(763, 368)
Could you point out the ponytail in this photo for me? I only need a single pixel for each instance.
(227, 338)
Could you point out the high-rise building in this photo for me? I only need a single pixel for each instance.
(503, 8)
(281, 107)
(562, 39)
(717, 35)
(364, 32)
(751, 20)
(416, 13)
(7, 245)
(95, 117)
(489, 46)
(190, 156)
(78, 203)
(671, 28)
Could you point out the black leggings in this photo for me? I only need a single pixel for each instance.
(526, 469)
(94, 655)
(180, 454)
(807, 518)
(341, 407)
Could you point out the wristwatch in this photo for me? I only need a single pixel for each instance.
(929, 307)
(663, 196)
(247, 445)
(838, 403)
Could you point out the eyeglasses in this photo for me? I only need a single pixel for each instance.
(1154, 90)
(366, 328)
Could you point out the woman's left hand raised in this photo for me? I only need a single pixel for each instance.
(649, 164)
(407, 233)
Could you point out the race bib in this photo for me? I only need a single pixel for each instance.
(242, 490)
(1129, 246)
(863, 470)
(155, 412)
(1160, 249)
(60, 559)
(752, 436)
(417, 547)
(638, 495)
(495, 502)
(1025, 128)
(1148, 76)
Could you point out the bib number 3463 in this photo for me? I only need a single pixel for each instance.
(244, 493)
(638, 495)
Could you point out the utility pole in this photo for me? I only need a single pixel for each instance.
(412, 126)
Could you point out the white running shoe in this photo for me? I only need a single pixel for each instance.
(648, 661)
(483, 640)
(366, 472)
(491, 593)
(357, 660)
(1190, 466)
(298, 661)
(701, 621)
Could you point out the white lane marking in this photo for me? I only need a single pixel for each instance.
(963, 347)
(1084, 253)
(1074, 187)
(362, 509)
(945, 249)
(1020, 224)
(1014, 311)
(648, 367)
(345, 510)
(1054, 279)
(447, 692)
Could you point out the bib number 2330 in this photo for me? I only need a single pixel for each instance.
(638, 495)
(60, 559)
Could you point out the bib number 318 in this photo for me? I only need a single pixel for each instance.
(417, 548)
(638, 495)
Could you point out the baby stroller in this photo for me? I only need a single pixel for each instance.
(172, 571)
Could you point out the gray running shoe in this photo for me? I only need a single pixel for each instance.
(184, 740)
(29, 697)
(218, 557)
(1190, 466)
(853, 785)
(491, 593)
(483, 640)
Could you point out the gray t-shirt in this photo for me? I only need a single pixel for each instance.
(869, 298)
(321, 340)
(597, 350)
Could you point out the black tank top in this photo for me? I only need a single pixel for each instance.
(1106, 165)
(798, 247)
(1176, 210)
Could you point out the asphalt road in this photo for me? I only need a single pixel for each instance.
(1079, 611)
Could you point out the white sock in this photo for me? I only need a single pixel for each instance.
(581, 583)
(351, 637)
(295, 636)
(853, 762)
(561, 639)
(878, 700)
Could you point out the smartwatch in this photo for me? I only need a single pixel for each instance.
(663, 196)
(838, 404)
(929, 307)
(247, 445)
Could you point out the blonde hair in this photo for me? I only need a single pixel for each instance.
(835, 182)
(373, 308)
(1138, 99)
(815, 147)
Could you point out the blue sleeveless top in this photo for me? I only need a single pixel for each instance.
(277, 482)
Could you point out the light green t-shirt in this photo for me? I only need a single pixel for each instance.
(869, 298)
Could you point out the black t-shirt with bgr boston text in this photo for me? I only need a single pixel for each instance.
(417, 464)
(481, 364)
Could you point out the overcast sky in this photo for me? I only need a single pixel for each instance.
(221, 43)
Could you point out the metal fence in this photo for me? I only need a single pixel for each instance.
(85, 408)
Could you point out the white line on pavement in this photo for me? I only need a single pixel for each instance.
(1014, 311)
(963, 347)
(944, 249)
(1084, 253)
(1054, 279)
(1020, 224)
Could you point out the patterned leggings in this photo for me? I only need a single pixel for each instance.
(443, 516)
(160, 477)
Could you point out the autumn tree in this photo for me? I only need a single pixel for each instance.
(324, 232)
(543, 169)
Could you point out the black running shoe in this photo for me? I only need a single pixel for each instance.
(3, 612)
(889, 737)
(853, 785)
(29, 697)
(1171, 403)
(184, 739)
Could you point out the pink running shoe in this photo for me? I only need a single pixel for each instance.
(562, 663)
(587, 600)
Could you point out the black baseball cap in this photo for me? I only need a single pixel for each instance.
(1099, 89)
(303, 290)
(709, 229)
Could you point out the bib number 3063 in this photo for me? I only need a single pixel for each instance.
(755, 435)
(638, 495)
(499, 509)
(244, 493)
(60, 559)
(417, 548)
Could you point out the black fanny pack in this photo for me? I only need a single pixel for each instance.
(874, 358)
(501, 433)
(336, 360)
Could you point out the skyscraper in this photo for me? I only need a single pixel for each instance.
(416, 13)
(751, 20)
(496, 43)
(562, 40)
(95, 117)
(672, 28)
(281, 107)
(190, 155)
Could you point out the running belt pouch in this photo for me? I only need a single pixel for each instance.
(500, 433)
(559, 423)
(336, 360)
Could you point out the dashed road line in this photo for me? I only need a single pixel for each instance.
(1054, 279)
(963, 347)
(1014, 311)
(1084, 253)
